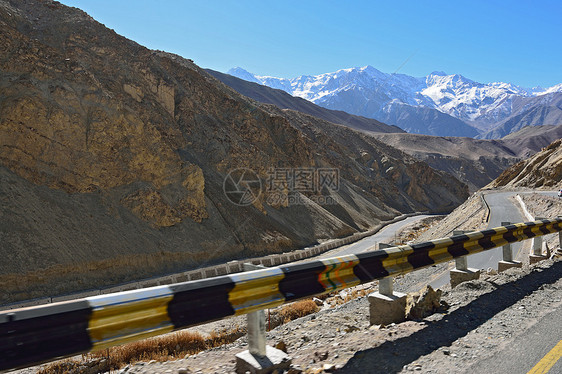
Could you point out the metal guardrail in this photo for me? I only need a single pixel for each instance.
(43, 333)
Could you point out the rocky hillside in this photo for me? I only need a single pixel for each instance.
(115, 163)
(529, 111)
(475, 162)
(531, 139)
(542, 170)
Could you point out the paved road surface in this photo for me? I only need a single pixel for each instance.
(385, 235)
(502, 209)
(528, 349)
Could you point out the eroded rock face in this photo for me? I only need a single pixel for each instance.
(543, 170)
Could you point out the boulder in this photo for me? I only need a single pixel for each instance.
(422, 303)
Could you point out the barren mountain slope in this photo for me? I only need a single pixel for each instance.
(529, 111)
(544, 169)
(475, 162)
(531, 139)
(113, 159)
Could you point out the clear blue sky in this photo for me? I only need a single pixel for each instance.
(490, 40)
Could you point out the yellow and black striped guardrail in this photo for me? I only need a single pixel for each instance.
(43, 333)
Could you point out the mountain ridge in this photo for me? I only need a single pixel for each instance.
(472, 161)
(283, 100)
(366, 91)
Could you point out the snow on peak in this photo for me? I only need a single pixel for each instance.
(553, 89)
(438, 73)
(243, 74)
(366, 90)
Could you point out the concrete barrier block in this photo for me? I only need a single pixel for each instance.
(120, 288)
(182, 278)
(196, 275)
(221, 270)
(267, 262)
(459, 276)
(277, 260)
(152, 283)
(504, 265)
(384, 310)
(164, 281)
(533, 259)
(209, 273)
(45, 300)
(234, 267)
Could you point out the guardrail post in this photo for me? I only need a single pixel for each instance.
(461, 263)
(461, 272)
(536, 252)
(507, 261)
(386, 286)
(259, 358)
(386, 306)
(560, 238)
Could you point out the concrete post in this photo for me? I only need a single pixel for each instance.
(560, 237)
(507, 261)
(507, 254)
(256, 323)
(386, 306)
(260, 358)
(536, 252)
(386, 286)
(461, 263)
(461, 272)
(256, 333)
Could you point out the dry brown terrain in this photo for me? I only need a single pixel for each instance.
(543, 170)
(473, 161)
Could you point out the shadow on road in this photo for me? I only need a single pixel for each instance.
(392, 356)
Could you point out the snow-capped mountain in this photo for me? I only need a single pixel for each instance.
(407, 101)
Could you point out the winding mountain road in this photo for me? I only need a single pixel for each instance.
(502, 209)
(369, 243)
